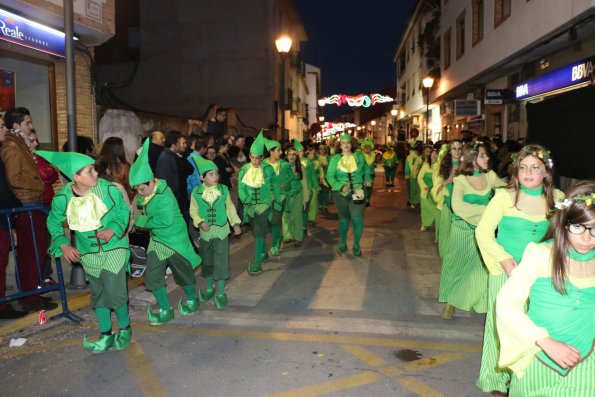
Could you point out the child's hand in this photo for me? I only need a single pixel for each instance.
(204, 227)
(508, 265)
(237, 230)
(564, 355)
(106, 234)
(70, 253)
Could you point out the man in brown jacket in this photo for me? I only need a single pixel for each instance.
(27, 186)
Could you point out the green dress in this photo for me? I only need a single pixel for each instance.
(293, 220)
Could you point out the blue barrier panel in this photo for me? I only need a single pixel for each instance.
(41, 289)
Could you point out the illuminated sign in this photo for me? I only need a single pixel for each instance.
(575, 73)
(21, 31)
(330, 128)
(355, 101)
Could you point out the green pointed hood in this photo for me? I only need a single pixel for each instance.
(345, 137)
(203, 164)
(140, 171)
(270, 144)
(298, 145)
(367, 142)
(257, 147)
(69, 163)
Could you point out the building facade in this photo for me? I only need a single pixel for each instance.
(32, 64)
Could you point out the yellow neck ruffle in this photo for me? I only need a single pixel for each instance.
(254, 177)
(347, 164)
(211, 194)
(84, 213)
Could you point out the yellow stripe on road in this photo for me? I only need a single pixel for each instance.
(433, 361)
(365, 355)
(144, 374)
(333, 386)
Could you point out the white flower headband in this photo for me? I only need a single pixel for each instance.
(587, 199)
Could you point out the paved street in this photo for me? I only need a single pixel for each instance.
(314, 323)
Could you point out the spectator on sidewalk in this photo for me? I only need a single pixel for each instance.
(155, 148)
(216, 125)
(27, 186)
(113, 160)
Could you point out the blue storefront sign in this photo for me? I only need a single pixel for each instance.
(573, 74)
(19, 30)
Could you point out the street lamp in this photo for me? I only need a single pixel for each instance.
(427, 82)
(283, 45)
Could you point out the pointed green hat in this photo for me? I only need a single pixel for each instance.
(270, 144)
(297, 145)
(257, 147)
(367, 142)
(69, 163)
(203, 164)
(345, 137)
(140, 171)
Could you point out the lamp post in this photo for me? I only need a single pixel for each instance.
(427, 83)
(283, 45)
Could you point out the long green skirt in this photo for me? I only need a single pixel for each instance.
(413, 191)
(491, 377)
(313, 211)
(293, 226)
(428, 211)
(464, 277)
(444, 229)
(540, 380)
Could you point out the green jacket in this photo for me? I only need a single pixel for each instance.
(268, 194)
(116, 219)
(310, 174)
(285, 179)
(337, 178)
(215, 214)
(161, 215)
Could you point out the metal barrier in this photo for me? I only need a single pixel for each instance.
(41, 289)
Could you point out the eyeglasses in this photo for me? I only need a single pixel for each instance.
(579, 229)
(533, 169)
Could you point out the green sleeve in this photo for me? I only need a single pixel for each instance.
(312, 180)
(55, 225)
(271, 178)
(243, 189)
(492, 252)
(161, 212)
(294, 183)
(420, 177)
(232, 214)
(196, 219)
(120, 216)
(471, 213)
(331, 174)
(367, 171)
(407, 168)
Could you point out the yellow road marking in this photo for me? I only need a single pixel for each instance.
(365, 355)
(433, 361)
(361, 379)
(417, 387)
(391, 372)
(144, 374)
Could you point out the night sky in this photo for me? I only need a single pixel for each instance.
(353, 42)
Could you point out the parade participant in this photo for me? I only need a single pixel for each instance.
(367, 147)
(288, 188)
(449, 161)
(293, 220)
(318, 178)
(96, 212)
(467, 284)
(325, 191)
(413, 163)
(519, 212)
(424, 179)
(259, 193)
(549, 347)
(169, 244)
(212, 211)
(389, 162)
(310, 184)
(348, 173)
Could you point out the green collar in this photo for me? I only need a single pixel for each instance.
(532, 192)
(456, 163)
(477, 173)
(577, 256)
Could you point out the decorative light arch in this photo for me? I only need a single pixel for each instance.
(361, 100)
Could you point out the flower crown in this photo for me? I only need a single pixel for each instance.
(472, 150)
(543, 154)
(587, 199)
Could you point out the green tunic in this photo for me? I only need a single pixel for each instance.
(338, 178)
(257, 200)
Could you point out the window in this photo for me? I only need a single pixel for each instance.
(477, 28)
(446, 46)
(461, 35)
(502, 9)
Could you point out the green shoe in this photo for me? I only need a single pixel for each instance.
(205, 296)
(342, 248)
(103, 344)
(220, 301)
(189, 308)
(160, 318)
(123, 339)
(254, 269)
(264, 257)
(357, 251)
(275, 251)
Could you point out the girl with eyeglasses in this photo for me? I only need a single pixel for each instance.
(545, 312)
(520, 214)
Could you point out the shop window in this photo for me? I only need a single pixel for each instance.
(478, 15)
(502, 10)
(461, 35)
(446, 60)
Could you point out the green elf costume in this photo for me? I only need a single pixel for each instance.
(426, 183)
(259, 193)
(370, 157)
(212, 211)
(325, 191)
(310, 185)
(351, 171)
(318, 178)
(105, 262)
(293, 221)
(288, 189)
(169, 244)
(389, 162)
(413, 164)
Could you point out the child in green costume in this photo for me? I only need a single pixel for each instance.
(212, 211)
(310, 184)
(259, 193)
(389, 162)
(367, 147)
(293, 220)
(413, 164)
(169, 244)
(425, 182)
(96, 212)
